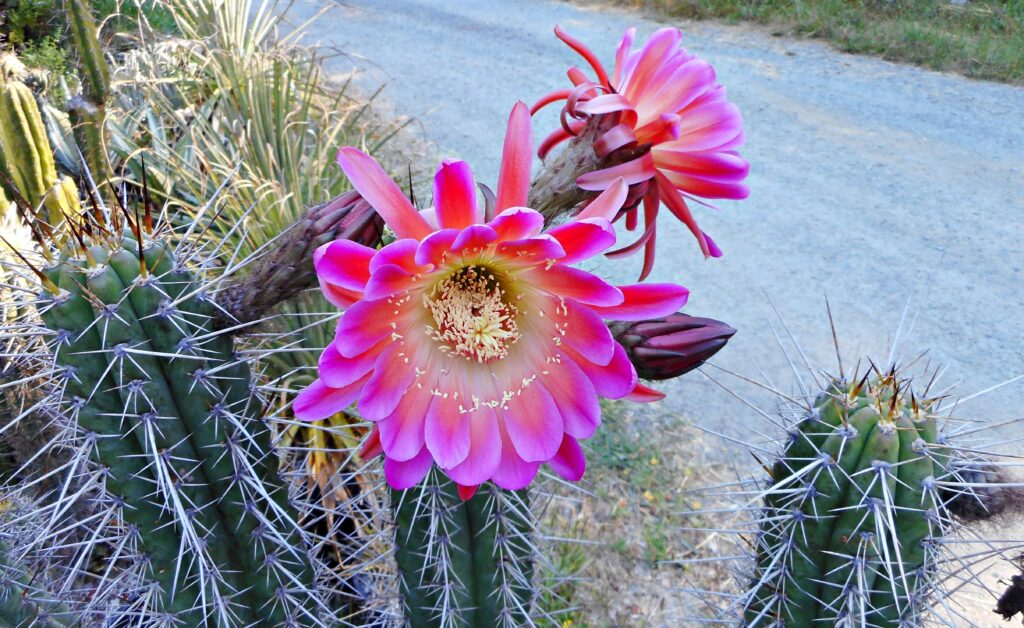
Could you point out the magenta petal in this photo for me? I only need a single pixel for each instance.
(615, 380)
(436, 248)
(340, 297)
(401, 253)
(343, 263)
(646, 300)
(537, 249)
(319, 401)
(371, 448)
(388, 280)
(569, 462)
(516, 158)
(534, 424)
(587, 334)
(393, 374)
(402, 433)
(455, 195)
(370, 180)
(484, 450)
(363, 325)
(608, 203)
(337, 371)
(473, 237)
(513, 473)
(447, 431)
(583, 239)
(575, 396)
(405, 474)
(517, 223)
(566, 281)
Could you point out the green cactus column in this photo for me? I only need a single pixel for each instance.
(464, 562)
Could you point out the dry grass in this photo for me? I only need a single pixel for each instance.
(982, 39)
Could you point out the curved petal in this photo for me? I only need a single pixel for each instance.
(646, 300)
(455, 195)
(535, 250)
(402, 433)
(583, 239)
(319, 401)
(569, 462)
(343, 263)
(484, 450)
(516, 158)
(614, 380)
(566, 281)
(371, 448)
(342, 298)
(513, 473)
(337, 371)
(516, 223)
(608, 203)
(370, 180)
(436, 248)
(574, 395)
(447, 430)
(473, 237)
(632, 172)
(401, 253)
(406, 474)
(587, 334)
(363, 325)
(393, 374)
(645, 394)
(534, 424)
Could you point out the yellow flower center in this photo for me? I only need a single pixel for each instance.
(472, 316)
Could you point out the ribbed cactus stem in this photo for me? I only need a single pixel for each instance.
(464, 562)
(88, 111)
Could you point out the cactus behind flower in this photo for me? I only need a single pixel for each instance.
(164, 507)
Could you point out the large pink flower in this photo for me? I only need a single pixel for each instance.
(475, 344)
(663, 98)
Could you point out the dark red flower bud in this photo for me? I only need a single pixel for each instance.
(663, 348)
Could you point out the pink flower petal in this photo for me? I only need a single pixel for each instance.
(613, 381)
(472, 238)
(447, 431)
(401, 253)
(402, 433)
(364, 325)
(620, 55)
(569, 462)
(516, 223)
(484, 450)
(583, 51)
(535, 250)
(370, 180)
(675, 203)
(632, 172)
(319, 401)
(513, 473)
(574, 395)
(406, 474)
(436, 248)
(647, 300)
(343, 263)
(534, 424)
(587, 334)
(371, 448)
(341, 298)
(337, 371)
(455, 195)
(583, 239)
(516, 158)
(566, 281)
(393, 374)
(608, 203)
(389, 280)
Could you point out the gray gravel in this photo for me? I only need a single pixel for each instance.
(875, 184)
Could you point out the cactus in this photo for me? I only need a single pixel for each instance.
(858, 510)
(88, 111)
(168, 507)
(26, 160)
(464, 560)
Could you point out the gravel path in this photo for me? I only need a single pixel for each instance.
(872, 183)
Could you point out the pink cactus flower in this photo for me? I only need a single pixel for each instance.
(475, 343)
(668, 100)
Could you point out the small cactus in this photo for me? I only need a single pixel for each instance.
(860, 507)
(88, 110)
(27, 170)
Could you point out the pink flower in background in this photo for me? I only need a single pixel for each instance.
(475, 344)
(669, 100)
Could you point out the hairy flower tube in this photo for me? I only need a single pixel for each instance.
(474, 343)
(660, 121)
